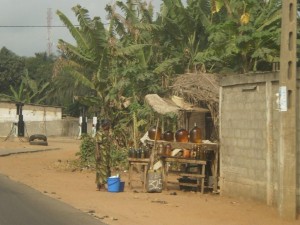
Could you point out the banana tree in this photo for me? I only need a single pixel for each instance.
(112, 63)
(184, 34)
(244, 35)
(29, 91)
(88, 61)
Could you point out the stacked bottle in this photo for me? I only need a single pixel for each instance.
(195, 134)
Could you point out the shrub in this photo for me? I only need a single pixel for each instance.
(87, 151)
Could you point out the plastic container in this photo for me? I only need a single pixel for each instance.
(113, 184)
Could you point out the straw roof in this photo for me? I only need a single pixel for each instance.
(195, 87)
(160, 105)
(173, 105)
(200, 89)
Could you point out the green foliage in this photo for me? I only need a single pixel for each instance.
(87, 154)
(29, 91)
(87, 151)
(119, 159)
(245, 47)
(40, 67)
(113, 65)
(11, 70)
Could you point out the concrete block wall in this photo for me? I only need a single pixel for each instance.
(243, 134)
(249, 137)
(298, 146)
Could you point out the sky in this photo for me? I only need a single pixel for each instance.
(26, 41)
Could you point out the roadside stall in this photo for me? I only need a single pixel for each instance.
(184, 147)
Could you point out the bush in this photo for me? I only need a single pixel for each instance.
(119, 158)
(87, 154)
(87, 151)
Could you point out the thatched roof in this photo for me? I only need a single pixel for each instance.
(173, 105)
(160, 105)
(200, 89)
(195, 87)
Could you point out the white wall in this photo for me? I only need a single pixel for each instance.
(30, 113)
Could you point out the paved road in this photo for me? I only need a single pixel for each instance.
(22, 205)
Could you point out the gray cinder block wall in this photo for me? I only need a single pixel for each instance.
(249, 137)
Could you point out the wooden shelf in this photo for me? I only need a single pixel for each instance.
(192, 175)
(200, 175)
(188, 145)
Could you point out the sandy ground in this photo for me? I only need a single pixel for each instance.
(48, 172)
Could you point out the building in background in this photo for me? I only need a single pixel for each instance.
(38, 119)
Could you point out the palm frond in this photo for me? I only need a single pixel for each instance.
(75, 53)
(166, 65)
(83, 79)
(131, 49)
(77, 35)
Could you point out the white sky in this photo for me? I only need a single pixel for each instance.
(25, 41)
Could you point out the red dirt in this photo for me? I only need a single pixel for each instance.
(49, 173)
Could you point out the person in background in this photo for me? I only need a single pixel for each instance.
(102, 154)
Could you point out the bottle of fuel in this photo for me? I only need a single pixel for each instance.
(195, 134)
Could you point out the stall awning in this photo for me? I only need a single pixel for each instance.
(159, 105)
(173, 105)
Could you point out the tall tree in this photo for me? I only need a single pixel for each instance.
(244, 36)
(29, 91)
(40, 67)
(184, 34)
(118, 59)
(11, 70)
(87, 61)
(114, 64)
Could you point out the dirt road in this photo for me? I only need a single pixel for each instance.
(49, 173)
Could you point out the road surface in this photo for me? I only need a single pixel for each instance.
(22, 205)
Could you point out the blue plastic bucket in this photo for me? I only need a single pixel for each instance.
(113, 184)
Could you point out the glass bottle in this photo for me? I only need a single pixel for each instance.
(152, 131)
(181, 135)
(168, 149)
(160, 149)
(195, 134)
(198, 152)
(145, 151)
(168, 136)
(142, 153)
(138, 153)
(134, 153)
(194, 152)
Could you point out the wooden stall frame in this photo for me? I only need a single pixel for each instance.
(214, 147)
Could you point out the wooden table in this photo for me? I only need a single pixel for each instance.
(207, 147)
(144, 163)
(199, 175)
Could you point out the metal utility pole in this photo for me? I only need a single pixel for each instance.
(287, 199)
(49, 24)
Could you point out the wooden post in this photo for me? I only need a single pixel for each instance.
(287, 93)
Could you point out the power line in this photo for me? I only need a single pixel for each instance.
(37, 26)
(13, 26)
